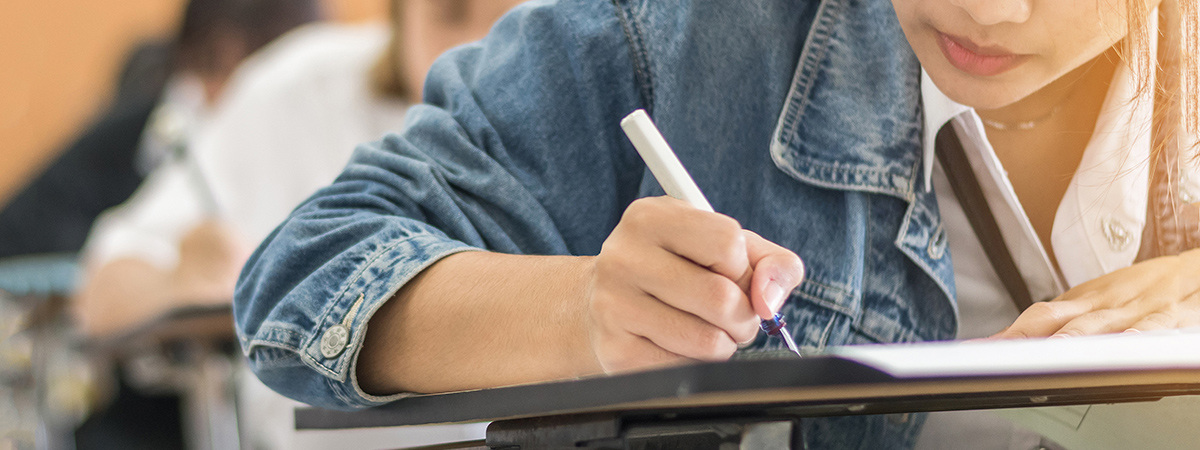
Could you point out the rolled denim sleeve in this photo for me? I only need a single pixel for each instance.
(517, 150)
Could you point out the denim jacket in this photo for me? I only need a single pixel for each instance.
(799, 118)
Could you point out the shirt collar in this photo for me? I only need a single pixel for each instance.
(938, 110)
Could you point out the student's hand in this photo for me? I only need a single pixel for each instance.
(210, 260)
(1156, 294)
(673, 283)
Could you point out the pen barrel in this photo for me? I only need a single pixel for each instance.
(661, 160)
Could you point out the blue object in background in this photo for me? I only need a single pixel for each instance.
(39, 275)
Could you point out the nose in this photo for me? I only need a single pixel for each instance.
(992, 12)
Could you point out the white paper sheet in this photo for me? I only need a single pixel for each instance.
(1157, 350)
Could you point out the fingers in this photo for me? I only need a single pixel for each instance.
(1186, 314)
(713, 241)
(1044, 319)
(680, 333)
(1156, 321)
(1150, 295)
(689, 288)
(777, 271)
(625, 321)
(695, 290)
(1101, 322)
(673, 284)
(635, 353)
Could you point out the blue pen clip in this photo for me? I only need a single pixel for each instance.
(775, 326)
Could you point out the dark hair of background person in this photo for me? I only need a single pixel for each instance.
(98, 170)
(252, 23)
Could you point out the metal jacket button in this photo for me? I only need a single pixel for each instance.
(334, 341)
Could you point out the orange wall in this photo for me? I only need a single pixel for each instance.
(58, 60)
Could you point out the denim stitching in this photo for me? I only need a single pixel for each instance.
(823, 340)
(812, 54)
(841, 172)
(638, 55)
(914, 255)
(340, 366)
(323, 319)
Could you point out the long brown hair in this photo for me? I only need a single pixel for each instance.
(387, 76)
(1172, 225)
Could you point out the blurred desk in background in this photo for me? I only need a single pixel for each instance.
(191, 350)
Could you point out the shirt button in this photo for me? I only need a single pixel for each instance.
(1117, 235)
(334, 341)
(937, 243)
(1186, 195)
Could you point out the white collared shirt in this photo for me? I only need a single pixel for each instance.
(1098, 225)
(285, 127)
(1097, 230)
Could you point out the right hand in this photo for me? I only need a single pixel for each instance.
(674, 284)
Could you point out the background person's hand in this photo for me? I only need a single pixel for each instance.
(673, 283)
(1160, 293)
(210, 260)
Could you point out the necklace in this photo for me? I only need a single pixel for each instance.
(1024, 124)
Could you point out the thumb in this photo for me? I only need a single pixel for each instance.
(777, 271)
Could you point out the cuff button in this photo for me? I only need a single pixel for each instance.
(334, 341)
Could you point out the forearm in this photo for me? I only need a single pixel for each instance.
(478, 319)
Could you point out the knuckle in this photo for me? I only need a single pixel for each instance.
(1163, 320)
(731, 226)
(714, 344)
(1105, 316)
(1070, 332)
(1016, 334)
(745, 332)
(724, 296)
(639, 212)
(1044, 310)
(730, 244)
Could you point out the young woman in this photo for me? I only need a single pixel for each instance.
(806, 122)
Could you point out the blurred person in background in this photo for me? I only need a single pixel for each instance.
(285, 127)
(165, 89)
(166, 96)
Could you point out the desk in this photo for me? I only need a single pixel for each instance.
(33, 290)
(748, 392)
(186, 349)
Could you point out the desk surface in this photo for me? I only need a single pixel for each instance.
(813, 386)
(208, 322)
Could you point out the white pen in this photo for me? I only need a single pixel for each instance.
(675, 180)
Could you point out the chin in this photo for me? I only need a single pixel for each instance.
(979, 92)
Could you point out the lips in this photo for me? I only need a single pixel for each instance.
(977, 60)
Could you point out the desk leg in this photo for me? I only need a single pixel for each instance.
(210, 412)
